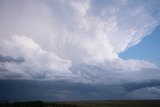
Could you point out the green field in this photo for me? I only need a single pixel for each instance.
(119, 103)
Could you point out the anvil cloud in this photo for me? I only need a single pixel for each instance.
(76, 40)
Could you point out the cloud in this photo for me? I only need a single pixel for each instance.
(10, 59)
(57, 90)
(38, 63)
(129, 87)
(76, 40)
(151, 93)
(69, 91)
(116, 72)
(126, 22)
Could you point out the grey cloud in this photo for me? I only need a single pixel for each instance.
(145, 93)
(104, 73)
(62, 90)
(10, 59)
(5, 71)
(129, 87)
(2, 67)
(57, 90)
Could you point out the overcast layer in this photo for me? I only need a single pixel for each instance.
(76, 40)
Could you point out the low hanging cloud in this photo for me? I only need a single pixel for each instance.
(10, 59)
(76, 40)
(38, 63)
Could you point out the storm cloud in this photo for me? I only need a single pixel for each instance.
(10, 59)
(78, 41)
(27, 90)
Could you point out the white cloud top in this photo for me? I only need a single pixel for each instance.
(76, 40)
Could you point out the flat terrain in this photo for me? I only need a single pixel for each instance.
(108, 103)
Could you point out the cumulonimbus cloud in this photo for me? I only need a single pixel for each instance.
(76, 40)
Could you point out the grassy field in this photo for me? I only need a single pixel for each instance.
(122, 103)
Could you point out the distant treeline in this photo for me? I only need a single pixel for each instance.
(122, 103)
(35, 104)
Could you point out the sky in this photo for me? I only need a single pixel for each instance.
(146, 49)
(79, 49)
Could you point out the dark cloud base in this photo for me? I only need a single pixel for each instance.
(10, 59)
(64, 91)
(52, 91)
